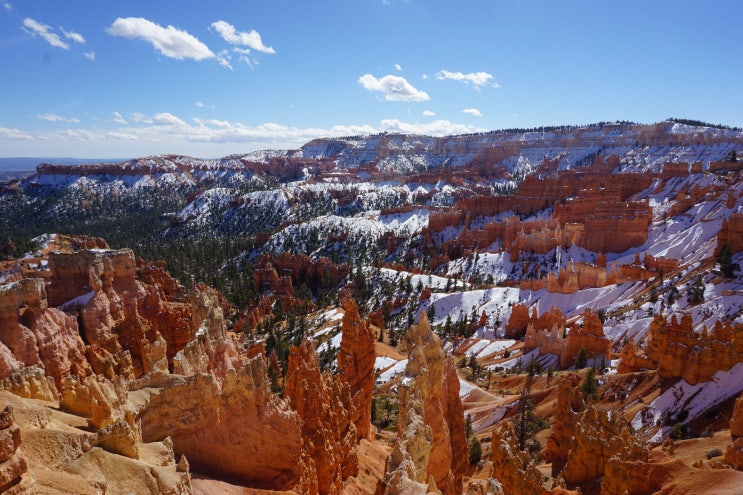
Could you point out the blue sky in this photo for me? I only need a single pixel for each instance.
(129, 79)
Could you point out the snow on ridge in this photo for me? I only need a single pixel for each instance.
(694, 399)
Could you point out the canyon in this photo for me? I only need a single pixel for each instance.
(553, 311)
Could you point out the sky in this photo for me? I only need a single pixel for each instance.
(99, 79)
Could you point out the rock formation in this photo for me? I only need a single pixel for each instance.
(637, 475)
(589, 336)
(239, 430)
(31, 383)
(513, 468)
(600, 435)
(734, 452)
(13, 477)
(547, 333)
(323, 404)
(431, 380)
(731, 234)
(680, 352)
(33, 334)
(633, 359)
(212, 350)
(569, 406)
(356, 365)
(405, 471)
(518, 321)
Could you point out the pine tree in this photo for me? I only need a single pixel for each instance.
(581, 359)
(468, 425)
(475, 453)
(589, 387)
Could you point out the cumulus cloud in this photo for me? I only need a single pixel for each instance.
(472, 111)
(398, 67)
(476, 79)
(395, 88)
(118, 118)
(428, 113)
(90, 56)
(251, 39)
(169, 41)
(45, 32)
(201, 104)
(50, 117)
(72, 35)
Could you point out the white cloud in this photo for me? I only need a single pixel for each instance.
(72, 35)
(398, 67)
(428, 113)
(435, 128)
(90, 56)
(141, 118)
(224, 58)
(477, 79)
(395, 88)
(169, 119)
(201, 104)
(44, 31)
(219, 123)
(123, 136)
(58, 118)
(472, 111)
(15, 134)
(165, 131)
(169, 41)
(118, 118)
(251, 39)
(7, 6)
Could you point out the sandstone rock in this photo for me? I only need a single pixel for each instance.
(731, 234)
(590, 336)
(238, 430)
(323, 403)
(600, 435)
(31, 383)
(119, 438)
(734, 451)
(405, 470)
(489, 486)
(213, 350)
(514, 468)
(12, 463)
(518, 321)
(569, 406)
(680, 352)
(633, 359)
(625, 475)
(734, 454)
(431, 379)
(32, 334)
(736, 421)
(95, 398)
(356, 365)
